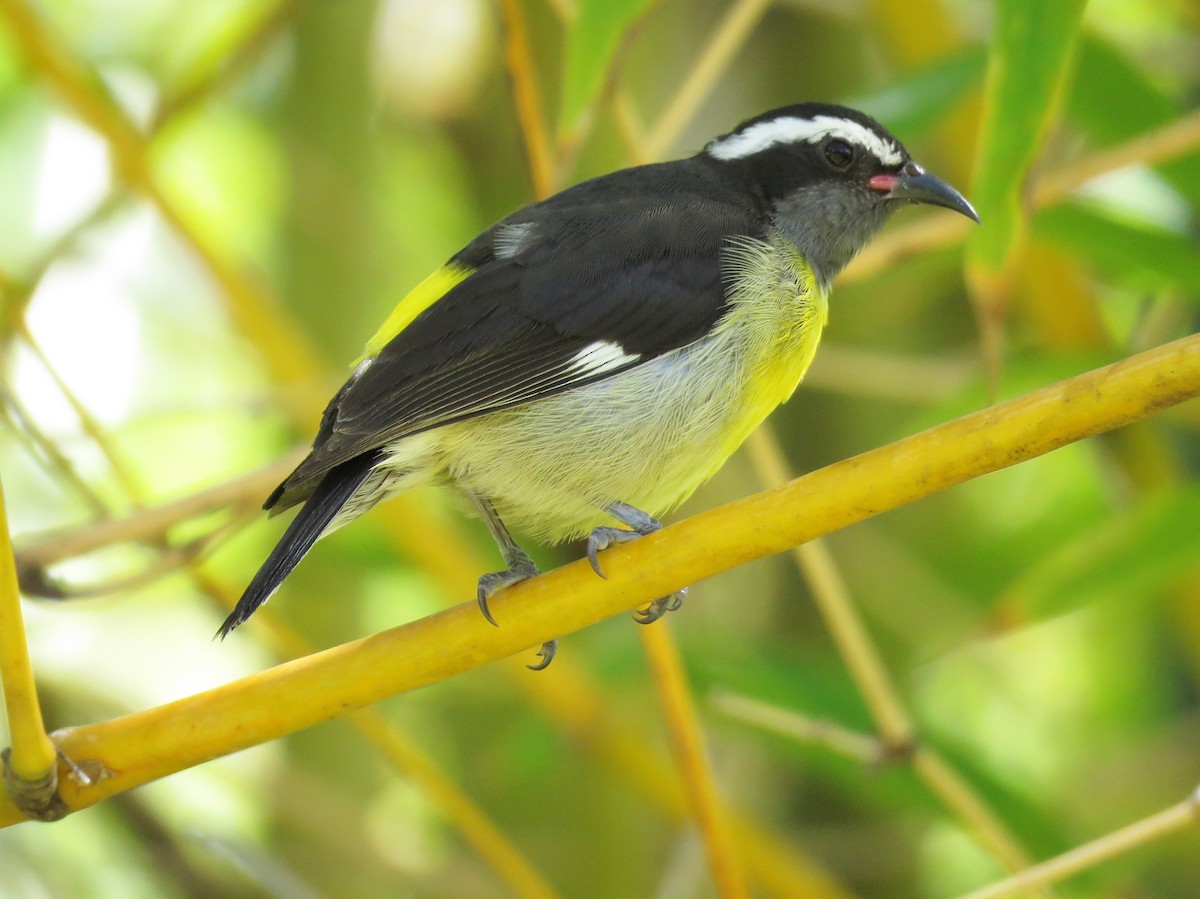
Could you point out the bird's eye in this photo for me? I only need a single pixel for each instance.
(839, 153)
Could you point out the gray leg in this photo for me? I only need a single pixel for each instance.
(520, 568)
(640, 525)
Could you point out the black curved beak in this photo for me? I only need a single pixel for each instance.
(916, 185)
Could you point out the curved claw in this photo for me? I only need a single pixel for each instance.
(675, 600)
(660, 607)
(647, 615)
(602, 538)
(546, 651)
(481, 599)
(593, 547)
(492, 583)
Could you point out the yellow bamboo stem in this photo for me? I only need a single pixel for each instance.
(30, 766)
(779, 870)
(479, 831)
(706, 807)
(137, 748)
(874, 682)
(957, 795)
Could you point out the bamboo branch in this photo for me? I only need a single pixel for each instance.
(87, 422)
(874, 682)
(727, 38)
(253, 310)
(248, 50)
(863, 748)
(30, 769)
(480, 832)
(688, 749)
(1179, 816)
(153, 525)
(135, 749)
(527, 98)
(576, 705)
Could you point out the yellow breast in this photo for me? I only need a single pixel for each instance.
(777, 313)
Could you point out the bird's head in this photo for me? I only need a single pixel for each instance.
(831, 176)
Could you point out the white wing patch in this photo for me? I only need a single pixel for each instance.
(788, 130)
(599, 357)
(510, 240)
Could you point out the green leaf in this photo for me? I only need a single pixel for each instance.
(914, 102)
(1031, 54)
(1148, 256)
(591, 46)
(1113, 100)
(1134, 555)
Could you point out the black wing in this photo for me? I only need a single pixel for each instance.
(631, 260)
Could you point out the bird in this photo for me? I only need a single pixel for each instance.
(583, 365)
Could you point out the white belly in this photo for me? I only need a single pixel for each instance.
(647, 437)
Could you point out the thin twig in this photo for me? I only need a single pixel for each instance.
(727, 38)
(528, 98)
(169, 560)
(577, 705)
(46, 451)
(255, 312)
(87, 422)
(862, 748)
(1176, 818)
(661, 652)
(248, 51)
(1176, 139)
(863, 372)
(866, 667)
(153, 524)
(571, 139)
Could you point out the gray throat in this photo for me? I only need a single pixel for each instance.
(829, 225)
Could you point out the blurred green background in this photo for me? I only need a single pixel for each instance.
(316, 160)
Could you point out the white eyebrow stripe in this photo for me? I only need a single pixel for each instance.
(759, 137)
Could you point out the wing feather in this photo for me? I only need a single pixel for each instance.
(635, 266)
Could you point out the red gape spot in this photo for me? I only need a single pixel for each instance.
(884, 182)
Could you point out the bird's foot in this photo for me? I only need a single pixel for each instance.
(492, 583)
(602, 538)
(660, 607)
(546, 651)
(520, 569)
(641, 524)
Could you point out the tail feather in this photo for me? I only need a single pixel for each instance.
(334, 491)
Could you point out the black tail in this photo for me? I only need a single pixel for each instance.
(314, 517)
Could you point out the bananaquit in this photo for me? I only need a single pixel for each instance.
(589, 361)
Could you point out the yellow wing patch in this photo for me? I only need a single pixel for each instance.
(420, 298)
